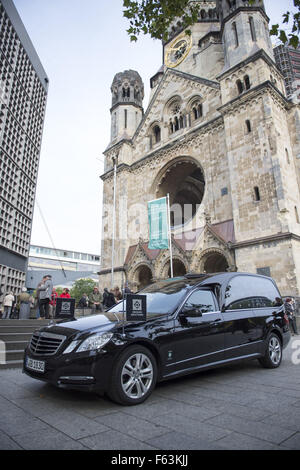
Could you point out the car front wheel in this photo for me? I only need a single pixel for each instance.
(133, 377)
(273, 354)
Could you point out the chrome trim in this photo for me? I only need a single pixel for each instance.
(45, 344)
(204, 288)
(223, 361)
(76, 377)
(215, 352)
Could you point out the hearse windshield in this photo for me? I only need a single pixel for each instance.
(162, 297)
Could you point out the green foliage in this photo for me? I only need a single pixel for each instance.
(59, 291)
(154, 17)
(80, 287)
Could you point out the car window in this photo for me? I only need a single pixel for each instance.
(243, 292)
(161, 298)
(201, 299)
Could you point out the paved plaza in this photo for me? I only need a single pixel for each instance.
(237, 407)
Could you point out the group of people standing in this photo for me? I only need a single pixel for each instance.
(22, 302)
(101, 301)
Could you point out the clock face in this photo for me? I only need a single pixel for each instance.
(177, 50)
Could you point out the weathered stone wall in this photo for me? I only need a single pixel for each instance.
(278, 255)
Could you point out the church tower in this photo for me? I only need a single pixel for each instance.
(259, 144)
(221, 138)
(244, 30)
(127, 105)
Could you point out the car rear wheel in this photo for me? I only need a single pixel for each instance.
(133, 377)
(273, 354)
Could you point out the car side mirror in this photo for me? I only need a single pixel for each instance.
(193, 312)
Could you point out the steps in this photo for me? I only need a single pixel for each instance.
(14, 337)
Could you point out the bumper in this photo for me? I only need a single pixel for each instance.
(88, 373)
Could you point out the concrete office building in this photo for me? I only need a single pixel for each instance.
(23, 94)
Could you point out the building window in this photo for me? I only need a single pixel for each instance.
(252, 28)
(157, 134)
(287, 156)
(235, 34)
(256, 193)
(297, 215)
(264, 271)
(247, 82)
(248, 126)
(125, 118)
(240, 86)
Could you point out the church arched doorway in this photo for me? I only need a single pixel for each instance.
(143, 276)
(179, 268)
(215, 263)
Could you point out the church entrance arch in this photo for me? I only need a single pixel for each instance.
(178, 268)
(143, 276)
(183, 179)
(215, 262)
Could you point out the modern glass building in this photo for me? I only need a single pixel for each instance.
(65, 266)
(23, 94)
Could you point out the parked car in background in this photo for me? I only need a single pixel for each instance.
(194, 322)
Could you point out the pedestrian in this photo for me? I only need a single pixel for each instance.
(37, 299)
(96, 300)
(118, 294)
(7, 304)
(127, 290)
(52, 304)
(111, 301)
(45, 292)
(65, 294)
(25, 302)
(289, 308)
(83, 302)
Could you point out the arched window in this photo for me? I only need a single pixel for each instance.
(248, 126)
(176, 117)
(247, 82)
(235, 34)
(252, 29)
(157, 134)
(287, 156)
(240, 86)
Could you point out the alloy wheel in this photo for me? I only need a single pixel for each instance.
(137, 376)
(275, 350)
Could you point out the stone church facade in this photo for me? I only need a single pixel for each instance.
(221, 138)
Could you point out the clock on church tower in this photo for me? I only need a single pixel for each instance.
(177, 50)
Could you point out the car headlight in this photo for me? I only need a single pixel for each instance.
(71, 347)
(95, 342)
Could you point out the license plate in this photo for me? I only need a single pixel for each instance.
(37, 366)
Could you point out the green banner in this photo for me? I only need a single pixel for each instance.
(158, 224)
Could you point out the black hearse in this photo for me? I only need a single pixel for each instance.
(193, 323)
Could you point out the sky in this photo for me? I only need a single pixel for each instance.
(82, 45)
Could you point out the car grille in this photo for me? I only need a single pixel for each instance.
(45, 344)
